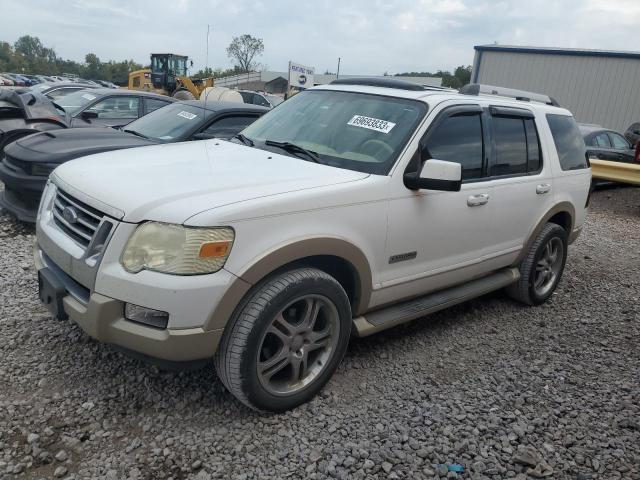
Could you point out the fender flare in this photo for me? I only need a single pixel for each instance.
(273, 260)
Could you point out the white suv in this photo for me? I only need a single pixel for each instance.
(349, 209)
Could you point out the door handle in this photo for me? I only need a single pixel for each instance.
(543, 188)
(477, 200)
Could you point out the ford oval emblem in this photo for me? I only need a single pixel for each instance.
(70, 215)
(302, 79)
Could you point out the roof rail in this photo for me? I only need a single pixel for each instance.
(478, 89)
(379, 82)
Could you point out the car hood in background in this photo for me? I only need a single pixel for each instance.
(30, 105)
(62, 145)
(173, 182)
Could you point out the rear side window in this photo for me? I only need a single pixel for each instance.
(517, 149)
(459, 139)
(151, 104)
(511, 146)
(227, 127)
(601, 140)
(569, 143)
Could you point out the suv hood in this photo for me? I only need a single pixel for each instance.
(170, 183)
(61, 145)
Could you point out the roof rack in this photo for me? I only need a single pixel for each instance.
(380, 82)
(477, 89)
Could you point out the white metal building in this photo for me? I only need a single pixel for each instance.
(598, 86)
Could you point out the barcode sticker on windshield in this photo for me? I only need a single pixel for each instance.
(371, 123)
(88, 96)
(187, 115)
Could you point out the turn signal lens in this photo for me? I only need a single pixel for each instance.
(214, 249)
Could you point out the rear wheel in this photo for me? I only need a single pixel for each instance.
(287, 340)
(541, 269)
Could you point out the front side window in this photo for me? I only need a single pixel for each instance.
(459, 139)
(568, 141)
(356, 131)
(116, 107)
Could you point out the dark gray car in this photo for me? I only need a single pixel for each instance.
(26, 112)
(605, 144)
(29, 161)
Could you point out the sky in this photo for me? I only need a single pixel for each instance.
(370, 36)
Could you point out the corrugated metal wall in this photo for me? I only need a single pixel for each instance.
(600, 90)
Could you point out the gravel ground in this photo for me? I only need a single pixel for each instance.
(495, 387)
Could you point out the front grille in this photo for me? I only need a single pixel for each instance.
(75, 218)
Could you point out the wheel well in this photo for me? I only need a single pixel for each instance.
(339, 268)
(563, 219)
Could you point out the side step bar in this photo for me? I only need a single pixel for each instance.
(398, 313)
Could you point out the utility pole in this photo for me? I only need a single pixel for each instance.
(338, 72)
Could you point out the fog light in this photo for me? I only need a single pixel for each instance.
(147, 316)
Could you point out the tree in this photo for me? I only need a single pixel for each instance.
(243, 50)
(461, 76)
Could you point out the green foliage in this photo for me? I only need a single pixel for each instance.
(243, 50)
(217, 72)
(461, 76)
(28, 55)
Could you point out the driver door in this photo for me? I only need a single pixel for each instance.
(436, 238)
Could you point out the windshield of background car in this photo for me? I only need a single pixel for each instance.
(356, 131)
(76, 101)
(168, 123)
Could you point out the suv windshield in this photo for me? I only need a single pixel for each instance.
(168, 123)
(74, 102)
(350, 130)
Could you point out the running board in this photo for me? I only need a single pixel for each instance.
(398, 313)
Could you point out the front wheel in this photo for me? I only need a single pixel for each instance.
(287, 340)
(541, 269)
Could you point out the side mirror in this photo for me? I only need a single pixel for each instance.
(436, 175)
(89, 114)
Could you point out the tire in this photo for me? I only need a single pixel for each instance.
(527, 289)
(183, 95)
(265, 334)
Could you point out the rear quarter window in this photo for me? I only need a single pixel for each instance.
(568, 141)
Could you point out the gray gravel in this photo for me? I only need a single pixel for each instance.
(495, 387)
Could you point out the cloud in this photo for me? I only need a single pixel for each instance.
(370, 36)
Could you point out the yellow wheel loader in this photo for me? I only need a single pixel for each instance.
(168, 76)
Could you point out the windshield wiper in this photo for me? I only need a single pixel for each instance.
(245, 140)
(293, 148)
(136, 133)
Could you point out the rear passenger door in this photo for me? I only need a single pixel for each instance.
(522, 181)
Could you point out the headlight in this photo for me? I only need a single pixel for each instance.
(178, 250)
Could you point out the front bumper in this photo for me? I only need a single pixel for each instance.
(22, 194)
(102, 318)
